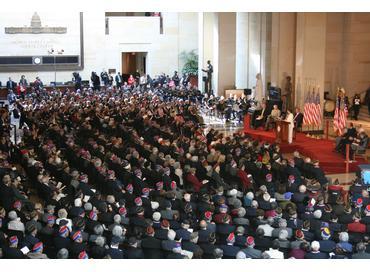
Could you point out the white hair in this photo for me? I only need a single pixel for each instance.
(241, 255)
(302, 188)
(250, 195)
(283, 234)
(171, 235)
(117, 231)
(317, 214)
(343, 236)
(117, 219)
(315, 246)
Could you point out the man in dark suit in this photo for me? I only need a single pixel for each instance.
(10, 84)
(298, 119)
(151, 246)
(318, 173)
(315, 252)
(114, 252)
(133, 252)
(12, 251)
(229, 249)
(119, 80)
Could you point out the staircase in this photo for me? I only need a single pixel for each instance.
(364, 114)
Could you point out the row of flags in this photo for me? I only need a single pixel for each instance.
(312, 114)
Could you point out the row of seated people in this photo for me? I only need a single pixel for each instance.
(357, 139)
(266, 117)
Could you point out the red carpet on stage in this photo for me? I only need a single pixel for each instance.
(322, 150)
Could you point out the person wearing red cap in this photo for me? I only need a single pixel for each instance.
(77, 245)
(62, 240)
(249, 250)
(37, 252)
(366, 219)
(230, 250)
(151, 246)
(12, 251)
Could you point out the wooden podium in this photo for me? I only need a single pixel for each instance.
(282, 131)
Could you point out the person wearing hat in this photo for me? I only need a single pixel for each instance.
(162, 232)
(229, 249)
(249, 250)
(133, 251)
(152, 247)
(11, 250)
(37, 252)
(114, 252)
(224, 228)
(326, 245)
(77, 245)
(61, 239)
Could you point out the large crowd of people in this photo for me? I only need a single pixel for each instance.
(110, 173)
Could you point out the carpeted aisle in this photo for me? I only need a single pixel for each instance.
(322, 150)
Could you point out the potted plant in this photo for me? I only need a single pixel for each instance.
(190, 66)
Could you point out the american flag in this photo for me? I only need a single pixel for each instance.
(317, 110)
(305, 110)
(308, 110)
(340, 116)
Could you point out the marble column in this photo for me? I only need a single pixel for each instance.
(242, 46)
(310, 55)
(226, 51)
(200, 50)
(283, 47)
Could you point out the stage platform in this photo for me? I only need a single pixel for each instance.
(320, 149)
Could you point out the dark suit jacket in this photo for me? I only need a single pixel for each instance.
(319, 255)
(10, 85)
(298, 120)
(152, 248)
(115, 253)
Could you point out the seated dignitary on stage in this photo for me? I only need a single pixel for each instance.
(274, 115)
(259, 117)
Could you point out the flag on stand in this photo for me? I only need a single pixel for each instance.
(306, 110)
(317, 110)
(340, 116)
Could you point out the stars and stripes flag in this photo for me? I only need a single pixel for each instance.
(306, 119)
(317, 110)
(340, 116)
